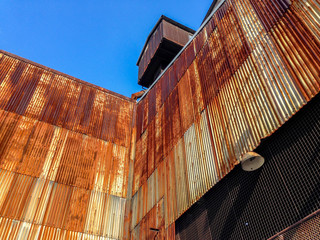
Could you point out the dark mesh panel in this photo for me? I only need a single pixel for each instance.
(220, 211)
(198, 219)
(257, 205)
(307, 229)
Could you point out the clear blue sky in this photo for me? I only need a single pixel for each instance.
(98, 41)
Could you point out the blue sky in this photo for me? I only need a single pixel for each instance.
(98, 41)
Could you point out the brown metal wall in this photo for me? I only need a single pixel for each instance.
(164, 30)
(175, 33)
(150, 49)
(64, 155)
(253, 66)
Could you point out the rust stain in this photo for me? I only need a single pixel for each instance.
(251, 67)
(165, 30)
(67, 148)
(64, 154)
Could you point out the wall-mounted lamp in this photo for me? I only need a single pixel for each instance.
(251, 161)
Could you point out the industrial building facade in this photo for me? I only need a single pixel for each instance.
(81, 162)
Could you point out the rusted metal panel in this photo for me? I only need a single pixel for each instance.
(158, 97)
(35, 201)
(145, 120)
(175, 117)
(150, 49)
(185, 107)
(13, 229)
(248, 70)
(165, 32)
(207, 157)
(197, 98)
(137, 167)
(174, 33)
(159, 137)
(149, 194)
(170, 193)
(139, 120)
(151, 104)
(64, 155)
(170, 232)
(181, 178)
(151, 148)
(48, 96)
(152, 225)
(65, 144)
(41, 150)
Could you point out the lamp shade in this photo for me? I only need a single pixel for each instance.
(251, 161)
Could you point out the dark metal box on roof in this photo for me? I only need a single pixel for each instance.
(162, 44)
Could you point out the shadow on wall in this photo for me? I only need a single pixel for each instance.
(257, 205)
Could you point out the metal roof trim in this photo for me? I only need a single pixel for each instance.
(185, 46)
(210, 9)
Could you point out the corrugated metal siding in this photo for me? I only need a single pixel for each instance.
(175, 33)
(155, 220)
(33, 204)
(252, 66)
(45, 151)
(64, 155)
(151, 48)
(47, 96)
(260, 204)
(165, 30)
(65, 144)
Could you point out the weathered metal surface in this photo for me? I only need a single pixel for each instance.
(174, 33)
(164, 29)
(154, 220)
(45, 151)
(251, 67)
(31, 207)
(150, 49)
(64, 155)
(43, 94)
(65, 144)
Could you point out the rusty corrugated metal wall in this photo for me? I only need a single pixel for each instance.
(150, 49)
(64, 155)
(66, 146)
(259, 204)
(252, 66)
(165, 30)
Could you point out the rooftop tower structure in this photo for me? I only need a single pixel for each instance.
(163, 43)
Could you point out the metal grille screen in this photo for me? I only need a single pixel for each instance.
(257, 205)
(307, 229)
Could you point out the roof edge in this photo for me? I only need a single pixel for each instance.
(66, 75)
(210, 9)
(215, 8)
(155, 27)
